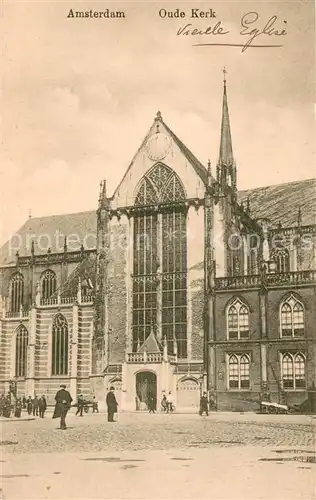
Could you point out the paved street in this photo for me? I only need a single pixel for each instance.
(144, 456)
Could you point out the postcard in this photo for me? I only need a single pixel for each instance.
(157, 250)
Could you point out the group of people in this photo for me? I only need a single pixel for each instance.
(82, 403)
(36, 406)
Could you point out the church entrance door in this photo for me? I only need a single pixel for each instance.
(146, 386)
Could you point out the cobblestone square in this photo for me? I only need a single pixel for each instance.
(223, 456)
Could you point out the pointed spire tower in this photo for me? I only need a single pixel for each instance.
(226, 167)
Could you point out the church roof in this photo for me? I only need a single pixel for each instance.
(281, 202)
(49, 232)
(199, 168)
(151, 344)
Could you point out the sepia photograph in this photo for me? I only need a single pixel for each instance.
(158, 250)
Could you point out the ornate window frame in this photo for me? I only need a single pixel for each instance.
(242, 313)
(16, 281)
(51, 348)
(241, 373)
(292, 370)
(13, 371)
(292, 317)
(281, 256)
(48, 282)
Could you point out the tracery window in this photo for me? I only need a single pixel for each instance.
(282, 259)
(292, 318)
(60, 346)
(238, 321)
(293, 370)
(238, 371)
(160, 243)
(16, 292)
(252, 263)
(21, 343)
(49, 284)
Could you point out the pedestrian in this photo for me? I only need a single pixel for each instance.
(151, 403)
(63, 404)
(170, 406)
(111, 404)
(164, 403)
(35, 406)
(42, 406)
(18, 408)
(80, 405)
(29, 405)
(24, 403)
(204, 404)
(95, 406)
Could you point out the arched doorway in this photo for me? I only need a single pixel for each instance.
(146, 385)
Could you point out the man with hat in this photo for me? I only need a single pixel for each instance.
(63, 403)
(111, 404)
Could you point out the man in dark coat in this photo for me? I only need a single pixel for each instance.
(42, 406)
(63, 403)
(80, 405)
(111, 404)
(29, 405)
(35, 406)
(204, 404)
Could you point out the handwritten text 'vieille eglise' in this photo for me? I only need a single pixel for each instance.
(258, 32)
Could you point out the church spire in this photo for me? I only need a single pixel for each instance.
(226, 170)
(226, 148)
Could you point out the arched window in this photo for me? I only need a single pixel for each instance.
(160, 242)
(238, 371)
(282, 259)
(238, 321)
(21, 343)
(16, 292)
(49, 283)
(60, 346)
(292, 318)
(293, 370)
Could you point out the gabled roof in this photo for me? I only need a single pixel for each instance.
(281, 202)
(151, 344)
(199, 168)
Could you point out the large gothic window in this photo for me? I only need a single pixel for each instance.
(60, 346)
(16, 292)
(49, 283)
(160, 243)
(21, 343)
(292, 318)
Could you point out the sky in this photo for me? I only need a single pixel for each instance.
(79, 96)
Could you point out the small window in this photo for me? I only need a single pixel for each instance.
(282, 260)
(293, 370)
(238, 371)
(49, 284)
(238, 321)
(292, 318)
(16, 292)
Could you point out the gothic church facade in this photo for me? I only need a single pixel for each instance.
(178, 282)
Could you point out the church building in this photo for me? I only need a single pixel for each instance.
(177, 282)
